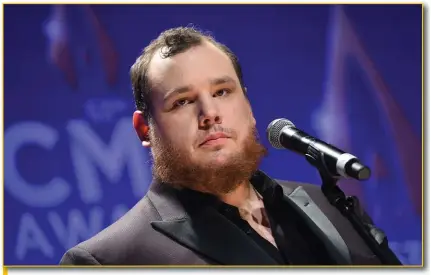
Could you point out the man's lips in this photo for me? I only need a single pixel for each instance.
(214, 136)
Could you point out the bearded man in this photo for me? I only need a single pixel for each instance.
(209, 203)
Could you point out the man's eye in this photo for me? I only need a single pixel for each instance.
(181, 102)
(221, 92)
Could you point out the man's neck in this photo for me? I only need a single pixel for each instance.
(237, 196)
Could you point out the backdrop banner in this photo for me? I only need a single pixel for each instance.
(350, 75)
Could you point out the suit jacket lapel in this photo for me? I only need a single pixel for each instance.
(206, 232)
(319, 223)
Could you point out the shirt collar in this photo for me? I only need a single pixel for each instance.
(266, 187)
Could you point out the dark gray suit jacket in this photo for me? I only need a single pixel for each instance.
(159, 231)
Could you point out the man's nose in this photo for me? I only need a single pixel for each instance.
(209, 113)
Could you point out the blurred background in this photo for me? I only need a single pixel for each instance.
(351, 75)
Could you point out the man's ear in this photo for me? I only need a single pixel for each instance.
(141, 127)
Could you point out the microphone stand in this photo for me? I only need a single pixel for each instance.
(374, 237)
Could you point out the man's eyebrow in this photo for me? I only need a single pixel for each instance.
(222, 80)
(179, 90)
(187, 88)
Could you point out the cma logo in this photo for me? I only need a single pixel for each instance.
(89, 155)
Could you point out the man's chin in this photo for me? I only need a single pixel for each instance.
(214, 163)
(219, 157)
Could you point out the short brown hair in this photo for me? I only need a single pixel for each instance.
(175, 40)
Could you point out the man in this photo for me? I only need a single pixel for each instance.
(209, 203)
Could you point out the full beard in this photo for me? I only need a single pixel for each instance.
(175, 167)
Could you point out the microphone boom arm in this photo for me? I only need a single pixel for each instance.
(375, 238)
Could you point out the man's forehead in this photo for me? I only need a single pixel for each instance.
(160, 65)
(205, 60)
(162, 71)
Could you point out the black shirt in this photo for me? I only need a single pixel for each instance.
(297, 244)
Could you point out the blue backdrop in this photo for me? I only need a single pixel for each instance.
(73, 164)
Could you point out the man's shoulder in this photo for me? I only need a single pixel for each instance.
(295, 184)
(117, 240)
(312, 190)
(316, 194)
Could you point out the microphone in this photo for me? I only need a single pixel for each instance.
(282, 133)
